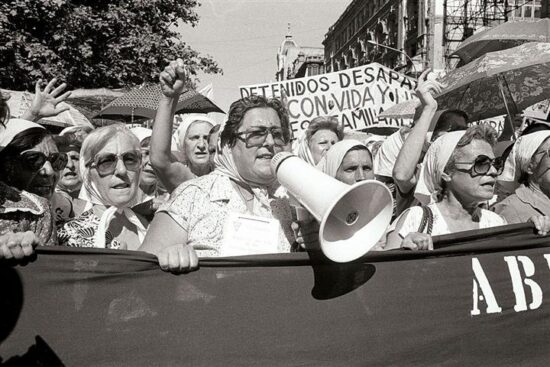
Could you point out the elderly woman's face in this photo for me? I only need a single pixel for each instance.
(254, 163)
(120, 187)
(466, 185)
(196, 144)
(356, 166)
(43, 181)
(70, 176)
(321, 142)
(541, 171)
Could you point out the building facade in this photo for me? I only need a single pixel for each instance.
(411, 35)
(294, 61)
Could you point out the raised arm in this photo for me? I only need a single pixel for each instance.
(169, 171)
(409, 156)
(46, 102)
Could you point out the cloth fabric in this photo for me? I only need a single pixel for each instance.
(332, 160)
(141, 133)
(225, 165)
(65, 207)
(90, 194)
(301, 149)
(22, 211)
(201, 206)
(435, 160)
(181, 131)
(385, 158)
(14, 127)
(520, 156)
(85, 230)
(414, 215)
(522, 205)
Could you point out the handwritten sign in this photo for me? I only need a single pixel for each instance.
(355, 96)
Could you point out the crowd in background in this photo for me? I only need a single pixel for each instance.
(171, 191)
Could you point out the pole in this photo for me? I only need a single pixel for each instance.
(396, 50)
(501, 88)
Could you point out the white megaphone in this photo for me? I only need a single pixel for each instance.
(353, 218)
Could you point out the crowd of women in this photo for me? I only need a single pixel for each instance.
(172, 192)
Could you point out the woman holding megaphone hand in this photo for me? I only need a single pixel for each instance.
(233, 210)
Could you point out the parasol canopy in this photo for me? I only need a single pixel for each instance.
(143, 102)
(503, 36)
(498, 83)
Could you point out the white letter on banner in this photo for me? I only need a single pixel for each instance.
(482, 282)
(519, 291)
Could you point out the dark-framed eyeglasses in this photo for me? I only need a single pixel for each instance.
(482, 165)
(35, 160)
(255, 137)
(105, 164)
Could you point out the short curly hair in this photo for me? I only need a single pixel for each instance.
(240, 107)
(325, 123)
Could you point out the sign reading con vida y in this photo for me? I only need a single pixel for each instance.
(356, 96)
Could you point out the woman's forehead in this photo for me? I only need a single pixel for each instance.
(47, 145)
(261, 117)
(118, 144)
(475, 148)
(199, 127)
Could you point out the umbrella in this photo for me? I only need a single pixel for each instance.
(143, 102)
(403, 110)
(503, 36)
(20, 102)
(502, 82)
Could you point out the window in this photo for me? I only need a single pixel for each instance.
(525, 9)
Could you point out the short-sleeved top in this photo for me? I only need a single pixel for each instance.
(414, 215)
(21, 211)
(201, 206)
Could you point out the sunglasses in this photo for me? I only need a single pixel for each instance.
(482, 165)
(256, 137)
(105, 164)
(35, 160)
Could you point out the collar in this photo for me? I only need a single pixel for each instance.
(221, 189)
(538, 201)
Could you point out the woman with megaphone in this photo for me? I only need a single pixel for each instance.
(233, 210)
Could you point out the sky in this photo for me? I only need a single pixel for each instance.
(243, 37)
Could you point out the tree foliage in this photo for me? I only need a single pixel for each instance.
(94, 43)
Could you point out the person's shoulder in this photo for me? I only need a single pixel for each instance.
(492, 218)
(202, 183)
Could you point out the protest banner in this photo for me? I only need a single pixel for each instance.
(355, 96)
(480, 299)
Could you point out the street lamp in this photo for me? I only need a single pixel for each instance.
(396, 50)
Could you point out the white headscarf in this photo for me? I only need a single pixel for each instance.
(301, 149)
(142, 133)
(90, 193)
(435, 160)
(181, 131)
(332, 160)
(225, 165)
(14, 127)
(520, 156)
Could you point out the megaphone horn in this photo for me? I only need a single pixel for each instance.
(353, 218)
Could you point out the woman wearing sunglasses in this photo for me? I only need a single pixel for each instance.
(110, 165)
(528, 166)
(214, 214)
(459, 171)
(29, 168)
